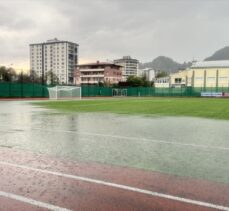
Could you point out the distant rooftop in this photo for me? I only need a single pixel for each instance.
(125, 58)
(55, 40)
(203, 64)
(147, 69)
(98, 63)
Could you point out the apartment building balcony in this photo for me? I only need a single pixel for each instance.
(92, 70)
(92, 76)
(90, 82)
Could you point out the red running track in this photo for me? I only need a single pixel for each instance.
(74, 194)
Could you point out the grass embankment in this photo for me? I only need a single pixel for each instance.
(194, 107)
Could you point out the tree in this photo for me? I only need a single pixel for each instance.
(51, 78)
(34, 78)
(7, 74)
(162, 74)
(101, 84)
(146, 83)
(134, 81)
(23, 78)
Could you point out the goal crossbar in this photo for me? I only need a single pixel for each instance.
(119, 92)
(64, 92)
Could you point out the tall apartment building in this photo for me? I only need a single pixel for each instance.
(130, 66)
(58, 57)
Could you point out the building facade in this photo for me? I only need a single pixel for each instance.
(203, 74)
(163, 82)
(99, 72)
(181, 79)
(130, 66)
(149, 73)
(56, 57)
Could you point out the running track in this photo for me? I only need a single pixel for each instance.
(31, 181)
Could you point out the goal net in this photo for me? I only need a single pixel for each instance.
(64, 92)
(119, 92)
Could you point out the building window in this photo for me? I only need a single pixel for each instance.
(199, 78)
(177, 80)
(223, 78)
(211, 78)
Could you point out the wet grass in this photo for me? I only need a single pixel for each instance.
(186, 147)
(194, 107)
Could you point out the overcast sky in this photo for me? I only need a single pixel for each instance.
(109, 29)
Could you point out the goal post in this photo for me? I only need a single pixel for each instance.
(119, 92)
(64, 92)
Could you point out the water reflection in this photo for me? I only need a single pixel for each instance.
(121, 140)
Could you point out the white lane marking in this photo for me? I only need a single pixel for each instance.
(119, 186)
(129, 138)
(132, 138)
(32, 201)
(135, 138)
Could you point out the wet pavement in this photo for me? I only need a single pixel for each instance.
(78, 185)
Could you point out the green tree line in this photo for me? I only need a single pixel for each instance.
(10, 75)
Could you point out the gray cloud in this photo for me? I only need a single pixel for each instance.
(108, 29)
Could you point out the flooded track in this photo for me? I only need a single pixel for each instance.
(127, 151)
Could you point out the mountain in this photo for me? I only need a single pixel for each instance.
(222, 54)
(165, 64)
(168, 65)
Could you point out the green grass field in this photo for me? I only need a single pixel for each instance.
(196, 148)
(194, 107)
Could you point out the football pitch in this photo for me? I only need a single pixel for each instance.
(172, 141)
(157, 152)
(193, 107)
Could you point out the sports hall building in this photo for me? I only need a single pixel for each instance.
(203, 74)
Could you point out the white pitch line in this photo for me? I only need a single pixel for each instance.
(135, 138)
(131, 138)
(32, 201)
(119, 186)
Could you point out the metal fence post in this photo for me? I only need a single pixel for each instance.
(21, 84)
(9, 90)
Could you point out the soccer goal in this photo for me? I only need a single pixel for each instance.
(119, 92)
(64, 92)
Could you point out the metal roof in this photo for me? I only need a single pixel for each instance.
(211, 64)
(99, 64)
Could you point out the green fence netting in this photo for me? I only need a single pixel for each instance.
(32, 90)
(22, 90)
